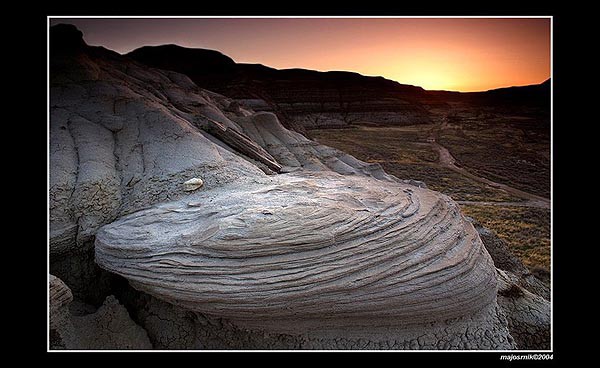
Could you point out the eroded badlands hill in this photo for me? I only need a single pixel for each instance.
(303, 99)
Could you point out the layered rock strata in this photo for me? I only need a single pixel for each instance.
(317, 254)
(331, 252)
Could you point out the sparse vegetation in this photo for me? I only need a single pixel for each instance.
(405, 153)
(449, 182)
(513, 150)
(379, 144)
(526, 230)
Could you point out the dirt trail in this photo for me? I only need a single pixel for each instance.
(447, 160)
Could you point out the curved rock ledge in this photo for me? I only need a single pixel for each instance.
(307, 252)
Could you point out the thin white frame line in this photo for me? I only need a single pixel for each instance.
(298, 16)
(551, 183)
(48, 182)
(551, 350)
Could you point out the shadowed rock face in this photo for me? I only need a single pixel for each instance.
(525, 298)
(528, 313)
(110, 327)
(330, 249)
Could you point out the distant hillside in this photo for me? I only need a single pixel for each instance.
(306, 99)
(302, 98)
(533, 95)
(210, 67)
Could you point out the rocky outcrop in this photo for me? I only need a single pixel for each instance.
(60, 295)
(524, 298)
(173, 327)
(118, 143)
(286, 244)
(243, 144)
(168, 326)
(508, 262)
(293, 151)
(528, 314)
(123, 137)
(304, 247)
(110, 327)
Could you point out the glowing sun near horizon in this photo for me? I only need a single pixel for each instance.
(458, 54)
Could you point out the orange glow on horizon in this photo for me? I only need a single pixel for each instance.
(458, 54)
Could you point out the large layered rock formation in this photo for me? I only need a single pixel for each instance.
(286, 244)
(304, 252)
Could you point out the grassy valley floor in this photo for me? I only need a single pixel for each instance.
(499, 173)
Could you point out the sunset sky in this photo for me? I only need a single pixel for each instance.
(452, 54)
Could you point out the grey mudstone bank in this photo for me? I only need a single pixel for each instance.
(110, 327)
(287, 244)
